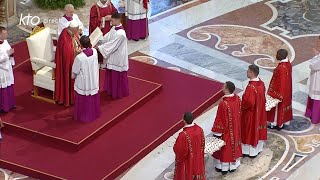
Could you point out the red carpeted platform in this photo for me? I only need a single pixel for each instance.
(117, 148)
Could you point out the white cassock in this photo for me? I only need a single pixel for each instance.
(6, 63)
(135, 10)
(64, 23)
(86, 72)
(114, 50)
(314, 81)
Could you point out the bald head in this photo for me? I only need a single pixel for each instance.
(68, 10)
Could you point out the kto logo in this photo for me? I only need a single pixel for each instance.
(29, 20)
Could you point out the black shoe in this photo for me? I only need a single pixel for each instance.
(271, 126)
(224, 172)
(218, 170)
(252, 157)
(245, 155)
(234, 170)
(279, 128)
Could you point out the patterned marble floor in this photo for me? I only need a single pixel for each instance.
(218, 39)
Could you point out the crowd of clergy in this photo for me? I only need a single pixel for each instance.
(242, 123)
(78, 62)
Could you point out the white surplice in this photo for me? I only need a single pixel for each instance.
(6, 63)
(135, 9)
(314, 82)
(85, 70)
(114, 50)
(64, 23)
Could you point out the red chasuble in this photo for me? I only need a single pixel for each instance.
(96, 13)
(254, 114)
(227, 123)
(281, 88)
(65, 54)
(189, 150)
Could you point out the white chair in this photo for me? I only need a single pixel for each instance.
(42, 54)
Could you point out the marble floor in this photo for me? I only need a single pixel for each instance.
(218, 39)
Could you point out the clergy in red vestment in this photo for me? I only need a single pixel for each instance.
(68, 47)
(281, 88)
(227, 127)
(100, 16)
(189, 150)
(254, 114)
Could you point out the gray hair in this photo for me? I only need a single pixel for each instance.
(69, 6)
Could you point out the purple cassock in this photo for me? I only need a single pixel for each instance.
(116, 84)
(87, 97)
(313, 110)
(7, 98)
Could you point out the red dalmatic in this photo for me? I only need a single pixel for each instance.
(281, 88)
(227, 123)
(254, 114)
(96, 13)
(65, 54)
(189, 150)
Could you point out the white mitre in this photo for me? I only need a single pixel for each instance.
(74, 24)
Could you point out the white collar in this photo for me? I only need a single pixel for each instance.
(103, 5)
(255, 79)
(285, 60)
(229, 95)
(189, 125)
(119, 25)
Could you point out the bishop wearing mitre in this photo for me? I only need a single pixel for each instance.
(68, 47)
(281, 88)
(254, 114)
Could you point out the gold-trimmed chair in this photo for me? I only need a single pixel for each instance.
(42, 54)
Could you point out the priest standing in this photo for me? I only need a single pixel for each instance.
(254, 114)
(85, 71)
(7, 98)
(313, 104)
(189, 151)
(227, 127)
(100, 16)
(137, 20)
(69, 16)
(115, 53)
(281, 88)
(68, 47)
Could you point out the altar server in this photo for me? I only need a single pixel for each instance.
(313, 104)
(68, 47)
(115, 52)
(7, 98)
(227, 127)
(85, 71)
(189, 151)
(100, 16)
(281, 88)
(69, 16)
(137, 20)
(254, 114)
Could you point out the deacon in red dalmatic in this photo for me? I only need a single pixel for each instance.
(227, 127)
(189, 150)
(254, 114)
(281, 88)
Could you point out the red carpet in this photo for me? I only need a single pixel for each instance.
(121, 146)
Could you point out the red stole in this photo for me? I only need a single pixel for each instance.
(281, 88)
(96, 13)
(189, 150)
(64, 58)
(227, 123)
(254, 115)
